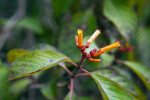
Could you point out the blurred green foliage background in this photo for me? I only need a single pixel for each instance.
(26, 23)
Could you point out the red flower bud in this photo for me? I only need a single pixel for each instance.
(130, 48)
(84, 53)
(122, 49)
(83, 48)
(92, 52)
(87, 45)
(88, 56)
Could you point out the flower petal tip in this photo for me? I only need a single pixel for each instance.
(94, 35)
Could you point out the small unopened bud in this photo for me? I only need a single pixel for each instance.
(83, 48)
(94, 50)
(98, 53)
(88, 56)
(122, 49)
(92, 53)
(84, 53)
(87, 45)
(130, 48)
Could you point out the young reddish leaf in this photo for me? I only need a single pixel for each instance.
(15, 53)
(35, 61)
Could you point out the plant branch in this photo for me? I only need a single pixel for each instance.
(85, 71)
(67, 70)
(71, 87)
(83, 74)
(74, 64)
(78, 67)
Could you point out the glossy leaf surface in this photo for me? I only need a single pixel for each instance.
(110, 90)
(119, 79)
(34, 62)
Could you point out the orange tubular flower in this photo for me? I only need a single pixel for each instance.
(94, 60)
(95, 34)
(99, 52)
(76, 39)
(102, 50)
(114, 45)
(80, 38)
(94, 52)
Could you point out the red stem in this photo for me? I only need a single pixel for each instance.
(66, 69)
(83, 74)
(85, 71)
(71, 88)
(74, 64)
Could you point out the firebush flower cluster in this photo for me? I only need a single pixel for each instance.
(94, 52)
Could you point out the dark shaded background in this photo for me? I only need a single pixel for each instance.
(26, 23)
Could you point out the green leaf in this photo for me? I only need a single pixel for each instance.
(86, 98)
(35, 61)
(43, 46)
(119, 79)
(3, 74)
(68, 97)
(49, 91)
(143, 41)
(110, 90)
(19, 86)
(142, 95)
(15, 53)
(4, 86)
(141, 71)
(122, 15)
(32, 24)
